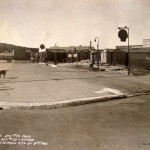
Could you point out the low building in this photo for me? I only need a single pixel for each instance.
(58, 54)
(68, 54)
(7, 55)
(140, 58)
(146, 42)
(83, 52)
(125, 47)
(20, 54)
(120, 57)
(72, 55)
(79, 53)
(107, 56)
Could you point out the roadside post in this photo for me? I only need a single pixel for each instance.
(123, 35)
(55, 54)
(98, 56)
(42, 50)
(92, 57)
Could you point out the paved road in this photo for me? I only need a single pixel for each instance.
(31, 82)
(115, 125)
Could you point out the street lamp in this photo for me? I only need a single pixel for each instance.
(127, 28)
(55, 54)
(97, 39)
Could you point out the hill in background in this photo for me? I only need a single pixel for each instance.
(7, 47)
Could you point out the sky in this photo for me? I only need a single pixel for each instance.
(73, 22)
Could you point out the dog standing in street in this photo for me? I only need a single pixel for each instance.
(3, 72)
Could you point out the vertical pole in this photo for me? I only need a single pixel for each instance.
(90, 50)
(128, 54)
(55, 55)
(90, 45)
(98, 53)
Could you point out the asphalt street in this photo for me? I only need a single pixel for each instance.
(114, 125)
(120, 124)
(33, 82)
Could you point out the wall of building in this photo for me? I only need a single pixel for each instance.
(7, 55)
(140, 60)
(106, 57)
(19, 54)
(146, 42)
(119, 58)
(103, 57)
(84, 55)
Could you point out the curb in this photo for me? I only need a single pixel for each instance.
(66, 103)
(61, 104)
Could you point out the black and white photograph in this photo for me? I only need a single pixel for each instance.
(74, 74)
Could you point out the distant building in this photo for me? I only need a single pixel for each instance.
(106, 56)
(146, 42)
(125, 47)
(140, 58)
(7, 54)
(120, 57)
(60, 54)
(69, 54)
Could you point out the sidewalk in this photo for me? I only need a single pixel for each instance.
(31, 84)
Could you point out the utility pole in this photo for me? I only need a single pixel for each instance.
(123, 35)
(128, 53)
(96, 38)
(55, 54)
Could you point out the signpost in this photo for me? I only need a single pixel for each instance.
(98, 56)
(123, 35)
